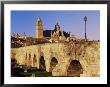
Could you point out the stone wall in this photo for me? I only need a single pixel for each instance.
(88, 54)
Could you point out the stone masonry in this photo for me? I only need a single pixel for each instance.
(87, 53)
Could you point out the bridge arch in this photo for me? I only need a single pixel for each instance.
(54, 54)
(42, 65)
(75, 68)
(53, 63)
(34, 61)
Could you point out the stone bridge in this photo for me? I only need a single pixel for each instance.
(62, 59)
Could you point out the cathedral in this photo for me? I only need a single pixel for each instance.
(42, 36)
(56, 35)
(39, 28)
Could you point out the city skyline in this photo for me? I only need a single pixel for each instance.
(69, 21)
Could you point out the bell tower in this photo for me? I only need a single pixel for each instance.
(39, 28)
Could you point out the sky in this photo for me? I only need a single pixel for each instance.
(69, 21)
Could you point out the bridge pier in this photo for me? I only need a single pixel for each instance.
(38, 60)
(47, 63)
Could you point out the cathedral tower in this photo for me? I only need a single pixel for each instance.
(39, 28)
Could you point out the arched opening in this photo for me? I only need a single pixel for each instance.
(42, 64)
(34, 61)
(53, 63)
(74, 69)
(13, 62)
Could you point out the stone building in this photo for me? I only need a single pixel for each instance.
(39, 28)
(57, 35)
